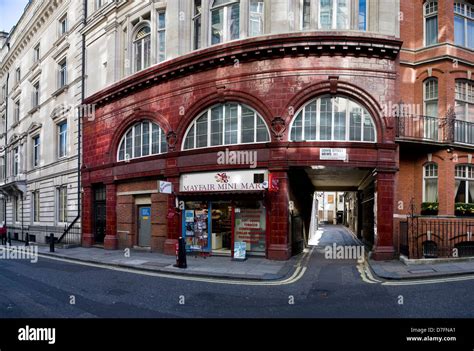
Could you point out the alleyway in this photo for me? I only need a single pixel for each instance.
(329, 234)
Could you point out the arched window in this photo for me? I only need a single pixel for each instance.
(225, 21)
(333, 118)
(143, 139)
(464, 24)
(430, 183)
(464, 184)
(431, 22)
(226, 124)
(142, 47)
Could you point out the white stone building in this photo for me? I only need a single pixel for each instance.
(41, 85)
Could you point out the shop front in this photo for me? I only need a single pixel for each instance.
(222, 209)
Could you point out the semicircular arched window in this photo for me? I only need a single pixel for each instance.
(141, 140)
(142, 47)
(333, 118)
(226, 124)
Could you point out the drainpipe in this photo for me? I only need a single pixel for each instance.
(5, 159)
(81, 115)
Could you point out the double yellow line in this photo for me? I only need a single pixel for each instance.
(296, 276)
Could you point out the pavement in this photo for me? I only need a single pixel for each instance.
(402, 269)
(421, 269)
(259, 268)
(254, 268)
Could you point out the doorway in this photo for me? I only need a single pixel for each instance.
(100, 215)
(144, 226)
(221, 228)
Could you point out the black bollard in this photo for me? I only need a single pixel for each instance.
(182, 254)
(51, 242)
(27, 239)
(9, 239)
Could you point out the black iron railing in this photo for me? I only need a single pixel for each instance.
(434, 129)
(419, 128)
(69, 235)
(437, 237)
(463, 132)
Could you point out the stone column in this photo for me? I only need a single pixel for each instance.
(111, 241)
(384, 189)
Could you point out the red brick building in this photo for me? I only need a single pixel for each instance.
(435, 132)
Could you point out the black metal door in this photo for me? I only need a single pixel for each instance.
(99, 221)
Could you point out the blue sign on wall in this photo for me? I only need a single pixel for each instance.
(145, 212)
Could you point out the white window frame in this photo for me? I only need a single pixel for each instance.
(311, 4)
(193, 124)
(226, 35)
(36, 53)
(35, 205)
(161, 135)
(197, 15)
(59, 138)
(16, 114)
(436, 167)
(99, 4)
(2, 168)
(61, 212)
(16, 161)
(63, 25)
(36, 151)
(262, 23)
(468, 86)
(36, 95)
(161, 53)
(62, 73)
(334, 8)
(428, 12)
(467, 14)
(18, 75)
(364, 115)
(427, 97)
(137, 28)
(468, 170)
(17, 208)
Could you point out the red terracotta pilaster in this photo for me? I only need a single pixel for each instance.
(384, 187)
(87, 215)
(111, 240)
(279, 245)
(174, 220)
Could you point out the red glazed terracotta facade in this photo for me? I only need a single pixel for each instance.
(275, 76)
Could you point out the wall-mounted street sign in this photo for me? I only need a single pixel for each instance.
(337, 154)
(165, 187)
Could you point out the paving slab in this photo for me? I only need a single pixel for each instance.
(254, 268)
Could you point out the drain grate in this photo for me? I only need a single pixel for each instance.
(417, 271)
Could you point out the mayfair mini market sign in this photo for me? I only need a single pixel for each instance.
(244, 180)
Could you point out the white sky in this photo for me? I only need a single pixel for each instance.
(10, 13)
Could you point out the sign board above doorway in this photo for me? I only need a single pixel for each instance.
(336, 154)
